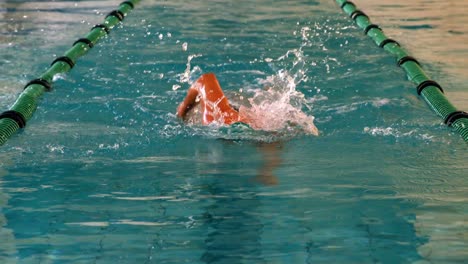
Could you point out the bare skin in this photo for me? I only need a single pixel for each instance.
(207, 97)
(207, 92)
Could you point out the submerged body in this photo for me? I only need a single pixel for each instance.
(206, 103)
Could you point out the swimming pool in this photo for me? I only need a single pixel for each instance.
(105, 173)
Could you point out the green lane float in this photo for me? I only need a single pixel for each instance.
(428, 89)
(25, 105)
(22, 110)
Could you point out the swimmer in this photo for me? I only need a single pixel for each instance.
(206, 103)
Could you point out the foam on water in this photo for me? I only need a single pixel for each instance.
(397, 133)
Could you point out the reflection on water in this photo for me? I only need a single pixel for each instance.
(434, 32)
(8, 248)
(106, 174)
(234, 230)
(271, 153)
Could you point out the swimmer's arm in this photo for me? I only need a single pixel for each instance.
(188, 103)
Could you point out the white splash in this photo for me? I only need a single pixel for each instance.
(279, 106)
(186, 75)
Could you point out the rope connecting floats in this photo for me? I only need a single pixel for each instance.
(429, 89)
(22, 110)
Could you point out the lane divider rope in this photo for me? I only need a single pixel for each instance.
(25, 105)
(427, 88)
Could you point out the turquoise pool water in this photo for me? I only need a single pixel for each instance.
(105, 173)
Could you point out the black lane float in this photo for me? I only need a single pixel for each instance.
(427, 88)
(23, 108)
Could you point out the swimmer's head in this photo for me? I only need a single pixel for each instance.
(194, 115)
